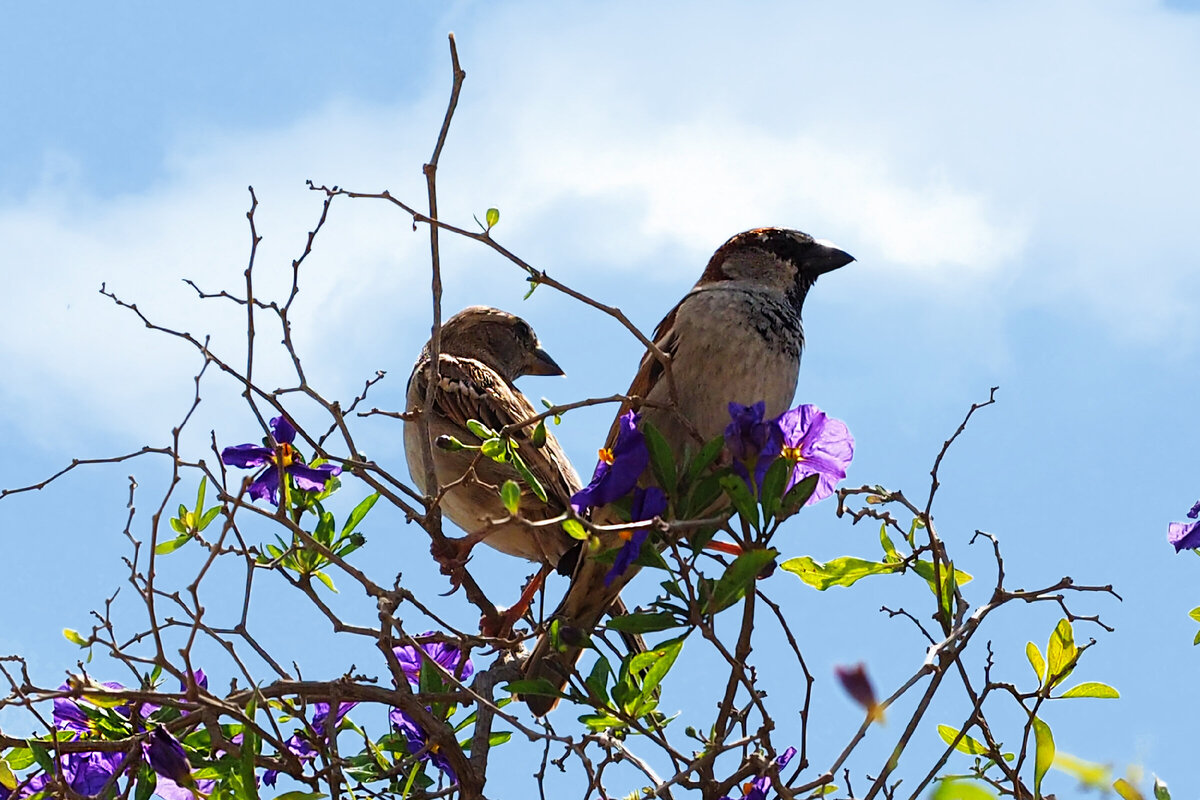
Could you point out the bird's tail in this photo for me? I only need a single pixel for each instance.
(553, 658)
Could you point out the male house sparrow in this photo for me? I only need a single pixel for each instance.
(483, 350)
(735, 337)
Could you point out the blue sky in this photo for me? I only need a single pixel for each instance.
(1016, 181)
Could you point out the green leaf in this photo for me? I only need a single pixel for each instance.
(770, 495)
(959, 789)
(495, 449)
(325, 579)
(7, 779)
(178, 526)
(492, 217)
(1092, 689)
(738, 578)
(72, 636)
(661, 659)
(797, 496)
(171, 545)
(743, 502)
(200, 492)
(662, 461)
(925, 570)
(844, 571)
(19, 758)
(1195, 613)
(1127, 790)
(510, 495)
(575, 529)
(643, 622)
(703, 496)
(360, 511)
(1044, 757)
(1196, 641)
(1061, 652)
(538, 686)
(966, 744)
(480, 430)
(890, 553)
(527, 475)
(1089, 774)
(538, 438)
(707, 455)
(1036, 661)
(1160, 789)
(208, 517)
(597, 679)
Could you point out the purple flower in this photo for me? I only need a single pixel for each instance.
(69, 715)
(856, 683)
(1184, 535)
(266, 483)
(618, 470)
(1195, 512)
(167, 757)
(757, 789)
(301, 746)
(647, 504)
(445, 655)
(818, 445)
(417, 741)
(750, 439)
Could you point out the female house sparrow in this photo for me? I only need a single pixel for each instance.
(735, 337)
(483, 350)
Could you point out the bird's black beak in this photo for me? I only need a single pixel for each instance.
(824, 257)
(540, 363)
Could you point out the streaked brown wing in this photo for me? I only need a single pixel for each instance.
(650, 370)
(469, 389)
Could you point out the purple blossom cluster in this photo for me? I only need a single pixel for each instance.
(453, 661)
(89, 773)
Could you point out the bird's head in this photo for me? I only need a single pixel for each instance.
(501, 340)
(776, 258)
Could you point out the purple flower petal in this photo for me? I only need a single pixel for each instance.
(167, 757)
(417, 740)
(446, 655)
(819, 445)
(1184, 535)
(752, 439)
(247, 456)
(312, 479)
(266, 485)
(1195, 512)
(614, 480)
(647, 504)
(282, 430)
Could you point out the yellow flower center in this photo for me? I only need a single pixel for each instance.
(747, 787)
(287, 454)
(793, 454)
(606, 455)
(625, 536)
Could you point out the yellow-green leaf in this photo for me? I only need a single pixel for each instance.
(7, 779)
(1044, 741)
(958, 789)
(966, 744)
(1061, 651)
(1092, 689)
(575, 529)
(1088, 773)
(1127, 790)
(510, 495)
(492, 217)
(843, 571)
(1036, 661)
(73, 637)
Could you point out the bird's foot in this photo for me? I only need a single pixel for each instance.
(452, 556)
(502, 626)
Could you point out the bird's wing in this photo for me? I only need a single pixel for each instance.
(468, 389)
(651, 370)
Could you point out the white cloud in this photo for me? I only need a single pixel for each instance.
(1041, 150)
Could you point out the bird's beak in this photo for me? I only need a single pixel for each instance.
(824, 257)
(542, 364)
